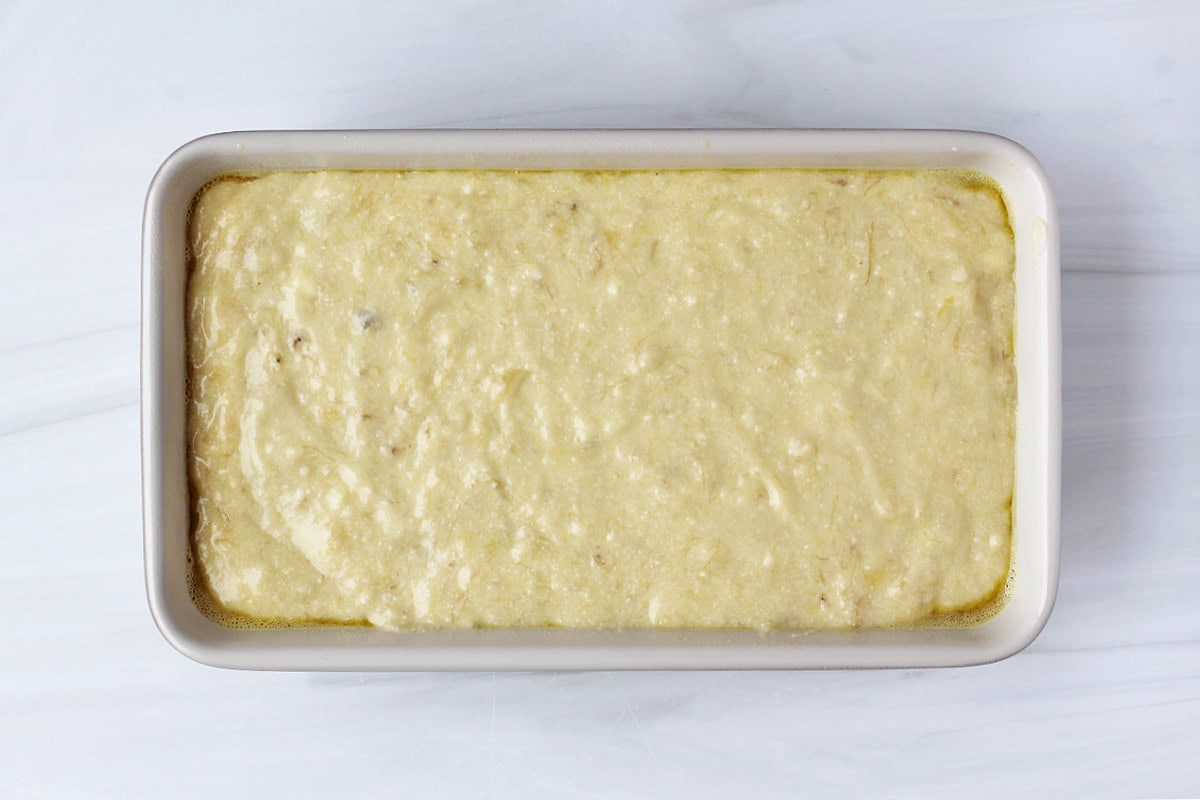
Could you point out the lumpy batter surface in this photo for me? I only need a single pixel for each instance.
(764, 399)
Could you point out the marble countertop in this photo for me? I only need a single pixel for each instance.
(93, 703)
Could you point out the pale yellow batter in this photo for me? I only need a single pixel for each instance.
(765, 399)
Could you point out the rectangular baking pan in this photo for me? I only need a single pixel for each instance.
(1033, 578)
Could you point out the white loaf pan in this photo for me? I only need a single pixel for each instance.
(1033, 580)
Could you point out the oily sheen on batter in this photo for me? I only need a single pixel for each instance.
(765, 399)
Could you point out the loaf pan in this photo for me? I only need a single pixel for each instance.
(1032, 583)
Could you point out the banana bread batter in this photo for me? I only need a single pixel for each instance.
(765, 399)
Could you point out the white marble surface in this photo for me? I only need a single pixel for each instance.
(92, 97)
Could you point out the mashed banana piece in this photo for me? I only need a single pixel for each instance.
(763, 399)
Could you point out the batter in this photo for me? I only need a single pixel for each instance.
(738, 399)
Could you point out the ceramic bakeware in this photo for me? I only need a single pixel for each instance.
(1033, 580)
